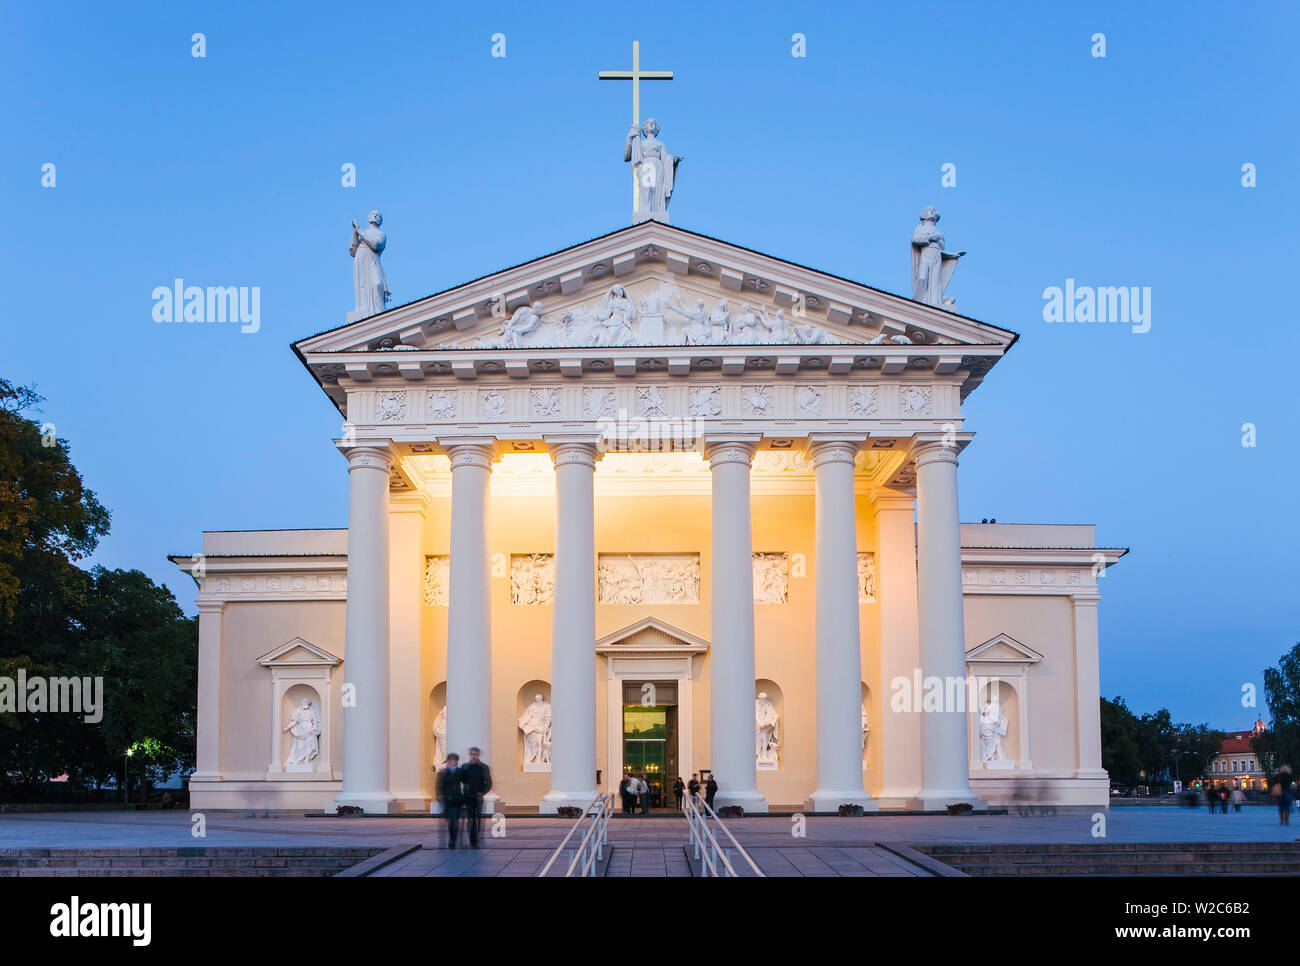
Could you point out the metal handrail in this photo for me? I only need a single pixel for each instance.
(604, 805)
(707, 850)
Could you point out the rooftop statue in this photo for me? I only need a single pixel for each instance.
(369, 283)
(932, 267)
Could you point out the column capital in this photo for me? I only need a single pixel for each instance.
(570, 450)
(1085, 599)
(731, 449)
(211, 606)
(833, 449)
(934, 451)
(371, 456)
(478, 452)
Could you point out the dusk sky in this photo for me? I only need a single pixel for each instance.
(1123, 170)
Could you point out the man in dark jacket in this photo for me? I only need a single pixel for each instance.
(693, 788)
(476, 780)
(452, 796)
(710, 790)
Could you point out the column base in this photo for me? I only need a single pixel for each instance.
(927, 800)
(552, 802)
(751, 801)
(830, 802)
(373, 803)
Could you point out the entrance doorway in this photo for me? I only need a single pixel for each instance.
(650, 740)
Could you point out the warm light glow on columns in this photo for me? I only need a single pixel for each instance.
(839, 639)
(365, 654)
(573, 631)
(945, 770)
(731, 652)
(469, 620)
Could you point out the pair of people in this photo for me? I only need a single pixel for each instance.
(634, 790)
(461, 790)
(710, 787)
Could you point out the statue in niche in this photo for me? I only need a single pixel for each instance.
(767, 737)
(440, 740)
(993, 727)
(304, 726)
(932, 267)
(655, 169)
(369, 283)
(866, 731)
(696, 330)
(535, 723)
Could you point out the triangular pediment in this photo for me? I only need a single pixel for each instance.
(1003, 649)
(299, 653)
(651, 636)
(664, 274)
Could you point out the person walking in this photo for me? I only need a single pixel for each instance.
(1238, 796)
(1223, 799)
(679, 788)
(476, 780)
(710, 789)
(451, 794)
(645, 794)
(1209, 797)
(1282, 791)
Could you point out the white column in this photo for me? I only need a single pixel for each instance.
(1087, 682)
(731, 653)
(573, 631)
(469, 621)
(839, 639)
(207, 752)
(365, 648)
(945, 767)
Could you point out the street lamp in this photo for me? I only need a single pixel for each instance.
(126, 773)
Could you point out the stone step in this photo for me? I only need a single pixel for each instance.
(180, 862)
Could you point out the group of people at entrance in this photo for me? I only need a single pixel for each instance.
(635, 791)
(460, 792)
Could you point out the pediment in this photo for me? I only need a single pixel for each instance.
(299, 653)
(651, 637)
(1003, 649)
(662, 269)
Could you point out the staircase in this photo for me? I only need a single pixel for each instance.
(266, 861)
(1130, 858)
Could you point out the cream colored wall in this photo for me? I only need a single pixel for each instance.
(1046, 624)
(249, 630)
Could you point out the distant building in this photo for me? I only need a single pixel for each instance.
(1236, 765)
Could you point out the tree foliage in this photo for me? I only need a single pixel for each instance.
(59, 620)
(1152, 749)
(1279, 744)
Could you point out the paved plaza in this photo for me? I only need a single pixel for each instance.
(642, 846)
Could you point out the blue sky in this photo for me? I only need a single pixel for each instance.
(1125, 170)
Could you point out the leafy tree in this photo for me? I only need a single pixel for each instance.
(1119, 744)
(58, 620)
(1279, 744)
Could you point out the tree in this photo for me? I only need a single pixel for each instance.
(1279, 744)
(58, 620)
(1119, 745)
